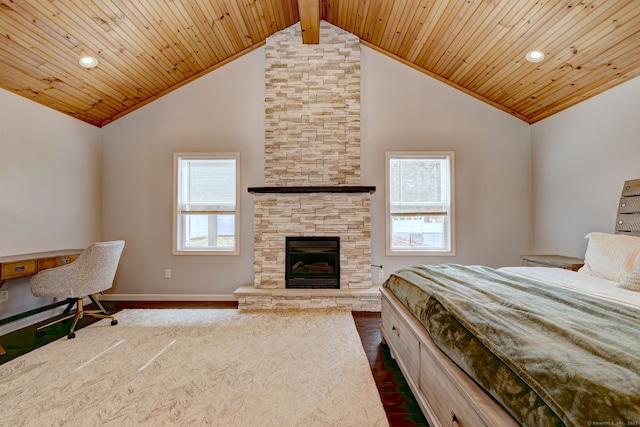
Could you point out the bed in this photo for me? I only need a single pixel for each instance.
(530, 346)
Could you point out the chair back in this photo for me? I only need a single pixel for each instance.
(92, 273)
(98, 263)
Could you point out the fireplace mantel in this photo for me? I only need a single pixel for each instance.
(313, 189)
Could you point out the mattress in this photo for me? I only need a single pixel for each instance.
(475, 316)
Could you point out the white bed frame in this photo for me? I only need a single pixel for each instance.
(447, 396)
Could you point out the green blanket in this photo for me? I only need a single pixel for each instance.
(579, 354)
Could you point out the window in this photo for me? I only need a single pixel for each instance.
(206, 203)
(420, 203)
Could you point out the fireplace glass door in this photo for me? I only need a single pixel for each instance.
(313, 262)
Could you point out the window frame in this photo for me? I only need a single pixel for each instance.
(177, 216)
(389, 155)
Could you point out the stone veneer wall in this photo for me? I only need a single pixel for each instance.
(312, 108)
(312, 139)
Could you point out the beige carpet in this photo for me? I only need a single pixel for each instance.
(198, 367)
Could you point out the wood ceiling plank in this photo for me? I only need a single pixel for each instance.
(252, 11)
(291, 11)
(41, 88)
(538, 36)
(253, 33)
(384, 18)
(173, 51)
(352, 14)
(113, 61)
(72, 74)
(227, 25)
(170, 27)
(480, 64)
(430, 30)
(33, 15)
(160, 48)
(574, 82)
(371, 20)
(479, 37)
(190, 36)
(457, 15)
(401, 27)
(228, 33)
(147, 49)
(505, 54)
(392, 28)
(362, 17)
(570, 101)
(238, 22)
(341, 8)
(329, 11)
(213, 46)
(258, 13)
(127, 35)
(624, 27)
(620, 59)
(54, 95)
(277, 15)
(415, 23)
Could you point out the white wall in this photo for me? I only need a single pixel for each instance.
(50, 185)
(403, 109)
(580, 160)
(222, 111)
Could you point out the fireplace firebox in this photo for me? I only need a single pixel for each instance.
(312, 262)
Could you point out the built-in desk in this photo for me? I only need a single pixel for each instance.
(27, 264)
(15, 266)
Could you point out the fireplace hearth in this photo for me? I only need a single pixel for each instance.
(312, 263)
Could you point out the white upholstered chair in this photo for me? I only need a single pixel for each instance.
(91, 274)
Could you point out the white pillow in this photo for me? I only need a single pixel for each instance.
(632, 281)
(611, 256)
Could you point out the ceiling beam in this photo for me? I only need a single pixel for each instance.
(309, 11)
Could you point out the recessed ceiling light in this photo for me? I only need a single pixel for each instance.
(534, 56)
(88, 61)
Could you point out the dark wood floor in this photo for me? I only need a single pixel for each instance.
(401, 407)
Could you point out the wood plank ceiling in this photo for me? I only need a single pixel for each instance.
(148, 48)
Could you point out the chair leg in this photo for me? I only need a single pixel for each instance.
(101, 313)
(72, 302)
(94, 299)
(80, 313)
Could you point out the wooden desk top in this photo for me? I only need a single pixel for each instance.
(27, 264)
(39, 255)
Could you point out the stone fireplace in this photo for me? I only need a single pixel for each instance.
(312, 170)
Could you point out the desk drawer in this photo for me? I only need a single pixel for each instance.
(44, 263)
(401, 340)
(18, 269)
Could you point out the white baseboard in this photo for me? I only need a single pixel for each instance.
(167, 297)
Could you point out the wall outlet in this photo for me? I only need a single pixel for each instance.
(167, 274)
(4, 296)
(381, 274)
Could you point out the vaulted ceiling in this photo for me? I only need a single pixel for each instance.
(148, 48)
